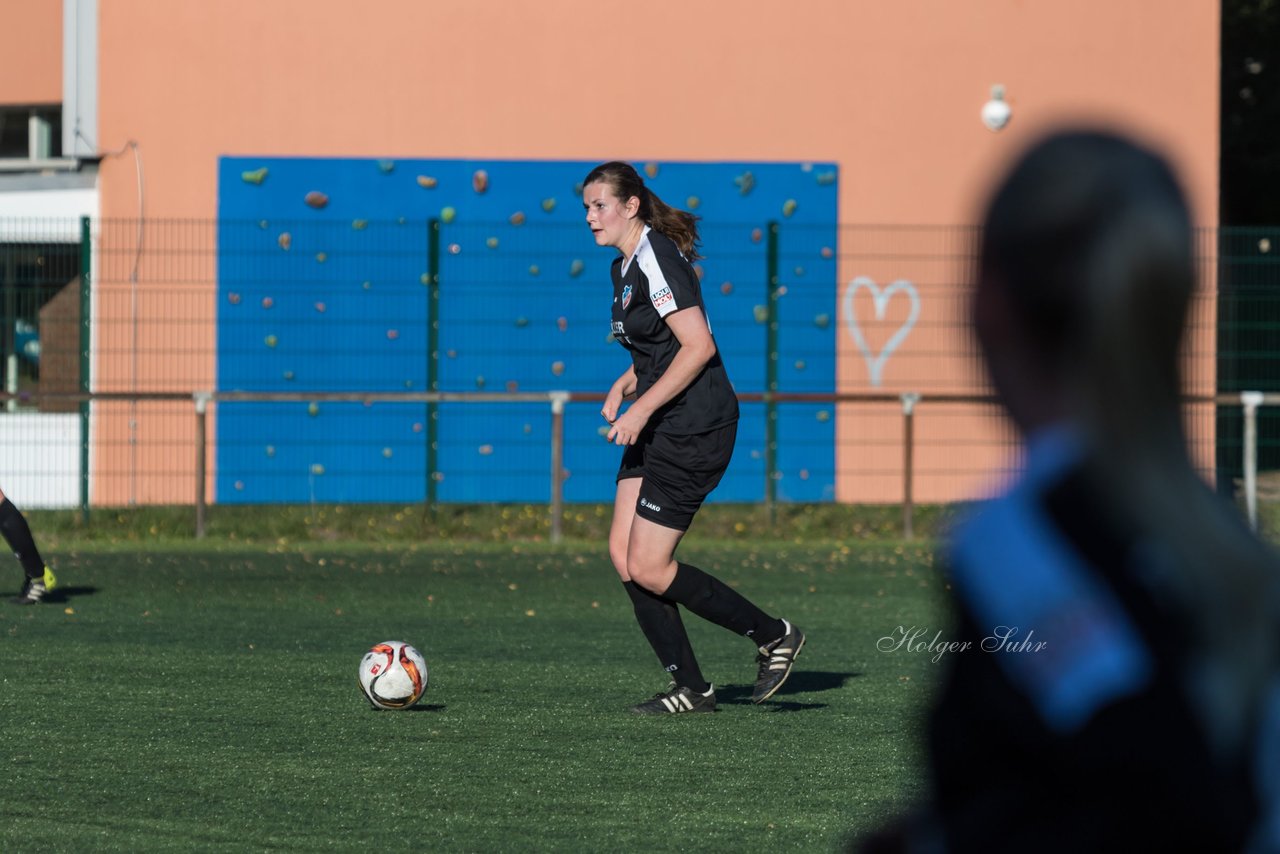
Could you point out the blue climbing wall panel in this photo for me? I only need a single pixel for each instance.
(323, 286)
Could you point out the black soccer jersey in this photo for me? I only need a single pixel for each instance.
(657, 281)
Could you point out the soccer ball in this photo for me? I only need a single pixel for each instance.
(393, 675)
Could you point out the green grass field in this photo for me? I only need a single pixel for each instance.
(203, 697)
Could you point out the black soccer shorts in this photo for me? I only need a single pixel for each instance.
(679, 472)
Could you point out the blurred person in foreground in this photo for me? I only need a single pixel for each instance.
(1120, 688)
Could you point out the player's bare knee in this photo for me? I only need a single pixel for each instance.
(618, 555)
(647, 572)
(619, 561)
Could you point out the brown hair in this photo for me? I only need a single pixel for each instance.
(625, 181)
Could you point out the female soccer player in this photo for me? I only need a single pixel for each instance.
(678, 436)
(38, 578)
(1121, 690)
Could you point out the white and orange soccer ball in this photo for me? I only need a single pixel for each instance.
(393, 675)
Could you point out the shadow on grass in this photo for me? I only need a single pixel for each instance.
(62, 595)
(799, 682)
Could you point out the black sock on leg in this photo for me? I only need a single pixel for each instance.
(712, 599)
(660, 622)
(17, 533)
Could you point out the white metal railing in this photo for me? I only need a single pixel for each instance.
(1251, 400)
(909, 404)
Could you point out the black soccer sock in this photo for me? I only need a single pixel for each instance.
(16, 532)
(660, 622)
(712, 599)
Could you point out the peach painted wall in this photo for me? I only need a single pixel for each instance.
(30, 51)
(889, 91)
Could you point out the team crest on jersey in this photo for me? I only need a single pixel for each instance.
(626, 296)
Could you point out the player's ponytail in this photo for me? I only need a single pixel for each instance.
(680, 226)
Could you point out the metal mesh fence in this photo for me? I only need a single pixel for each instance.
(109, 329)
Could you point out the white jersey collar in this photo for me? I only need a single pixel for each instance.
(644, 236)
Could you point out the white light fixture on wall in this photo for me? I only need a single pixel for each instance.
(996, 112)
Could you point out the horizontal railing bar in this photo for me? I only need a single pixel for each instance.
(1225, 398)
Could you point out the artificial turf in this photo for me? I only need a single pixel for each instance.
(204, 698)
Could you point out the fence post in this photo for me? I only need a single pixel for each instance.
(1251, 400)
(771, 377)
(202, 404)
(86, 305)
(433, 353)
(10, 334)
(558, 400)
(909, 401)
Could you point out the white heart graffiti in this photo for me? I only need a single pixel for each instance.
(880, 298)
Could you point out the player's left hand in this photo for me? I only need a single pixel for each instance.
(626, 429)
